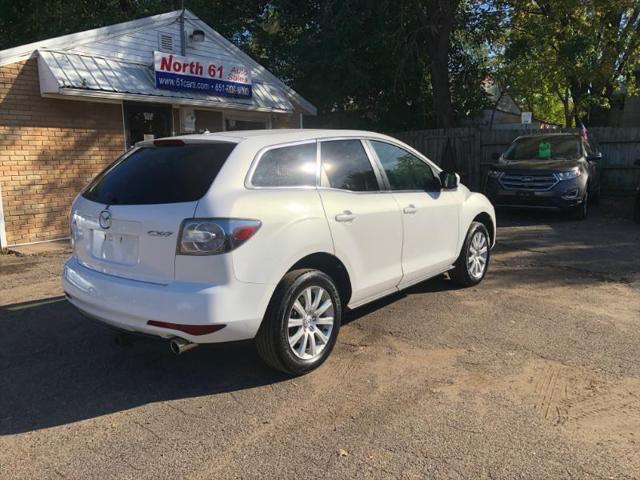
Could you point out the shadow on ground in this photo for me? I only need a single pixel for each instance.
(58, 367)
(602, 247)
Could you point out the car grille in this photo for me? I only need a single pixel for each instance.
(528, 182)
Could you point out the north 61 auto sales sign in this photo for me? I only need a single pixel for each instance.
(175, 72)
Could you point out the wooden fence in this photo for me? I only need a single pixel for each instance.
(470, 151)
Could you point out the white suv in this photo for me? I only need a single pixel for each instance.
(269, 235)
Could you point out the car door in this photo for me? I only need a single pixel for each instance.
(430, 215)
(365, 222)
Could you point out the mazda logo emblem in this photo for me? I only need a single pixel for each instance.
(105, 219)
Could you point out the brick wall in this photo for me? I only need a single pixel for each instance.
(286, 121)
(49, 149)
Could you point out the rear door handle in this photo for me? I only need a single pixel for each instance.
(346, 216)
(410, 209)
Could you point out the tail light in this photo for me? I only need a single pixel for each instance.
(213, 236)
(169, 142)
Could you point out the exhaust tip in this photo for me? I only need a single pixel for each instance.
(179, 345)
(174, 347)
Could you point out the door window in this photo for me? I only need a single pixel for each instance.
(293, 166)
(346, 166)
(404, 170)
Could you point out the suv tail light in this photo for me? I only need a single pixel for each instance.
(213, 236)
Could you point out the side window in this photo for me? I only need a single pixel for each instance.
(587, 148)
(293, 166)
(345, 165)
(404, 170)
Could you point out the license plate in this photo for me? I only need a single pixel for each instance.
(525, 194)
(115, 247)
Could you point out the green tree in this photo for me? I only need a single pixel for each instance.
(572, 56)
(372, 63)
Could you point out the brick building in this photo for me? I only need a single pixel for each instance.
(71, 105)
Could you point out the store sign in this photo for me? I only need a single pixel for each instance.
(175, 72)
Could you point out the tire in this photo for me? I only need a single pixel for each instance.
(579, 212)
(463, 273)
(284, 320)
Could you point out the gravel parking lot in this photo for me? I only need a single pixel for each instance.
(533, 374)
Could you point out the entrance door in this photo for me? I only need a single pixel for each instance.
(146, 122)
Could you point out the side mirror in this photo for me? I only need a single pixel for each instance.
(449, 181)
(595, 157)
(495, 156)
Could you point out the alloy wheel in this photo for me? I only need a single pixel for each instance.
(310, 322)
(477, 255)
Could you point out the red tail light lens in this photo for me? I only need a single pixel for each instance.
(244, 233)
(170, 142)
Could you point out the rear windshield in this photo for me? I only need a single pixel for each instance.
(543, 148)
(167, 174)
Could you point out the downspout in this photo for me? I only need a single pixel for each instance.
(3, 231)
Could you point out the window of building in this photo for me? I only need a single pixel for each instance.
(146, 122)
(232, 124)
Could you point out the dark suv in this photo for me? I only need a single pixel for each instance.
(557, 171)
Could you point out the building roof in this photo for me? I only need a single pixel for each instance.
(80, 74)
(503, 101)
(116, 62)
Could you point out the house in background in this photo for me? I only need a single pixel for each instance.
(505, 112)
(71, 105)
(630, 116)
(625, 114)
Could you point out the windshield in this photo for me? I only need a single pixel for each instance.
(167, 174)
(544, 148)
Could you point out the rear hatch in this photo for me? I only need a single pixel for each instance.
(127, 221)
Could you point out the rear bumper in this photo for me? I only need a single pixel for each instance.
(129, 304)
